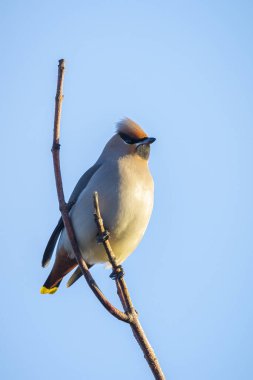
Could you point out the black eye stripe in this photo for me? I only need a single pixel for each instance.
(130, 140)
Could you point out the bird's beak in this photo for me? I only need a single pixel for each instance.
(147, 141)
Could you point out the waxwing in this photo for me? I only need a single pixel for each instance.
(125, 187)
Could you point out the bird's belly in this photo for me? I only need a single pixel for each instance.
(124, 238)
(131, 221)
(126, 224)
(126, 212)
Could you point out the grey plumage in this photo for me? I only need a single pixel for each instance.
(80, 186)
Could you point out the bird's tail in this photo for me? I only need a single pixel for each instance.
(62, 266)
(46, 289)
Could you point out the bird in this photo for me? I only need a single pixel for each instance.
(125, 186)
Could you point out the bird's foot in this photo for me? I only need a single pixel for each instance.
(101, 238)
(117, 273)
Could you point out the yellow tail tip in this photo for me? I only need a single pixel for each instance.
(45, 290)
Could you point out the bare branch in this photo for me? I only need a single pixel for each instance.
(130, 316)
(126, 301)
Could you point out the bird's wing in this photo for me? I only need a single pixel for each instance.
(76, 275)
(81, 184)
(51, 243)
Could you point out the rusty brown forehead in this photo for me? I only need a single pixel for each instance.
(131, 129)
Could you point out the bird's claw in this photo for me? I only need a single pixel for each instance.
(101, 238)
(117, 273)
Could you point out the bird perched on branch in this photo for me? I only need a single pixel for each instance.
(125, 186)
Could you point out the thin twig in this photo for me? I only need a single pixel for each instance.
(126, 299)
(130, 316)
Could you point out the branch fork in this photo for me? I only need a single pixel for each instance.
(129, 315)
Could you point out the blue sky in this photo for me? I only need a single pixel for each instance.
(182, 70)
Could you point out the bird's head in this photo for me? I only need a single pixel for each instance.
(134, 138)
(130, 139)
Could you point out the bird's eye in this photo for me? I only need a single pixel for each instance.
(127, 139)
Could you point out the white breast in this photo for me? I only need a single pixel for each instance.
(125, 190)
(136, 194)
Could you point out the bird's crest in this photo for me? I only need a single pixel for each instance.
(131, 129)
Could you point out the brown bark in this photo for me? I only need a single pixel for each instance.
(130, 315)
